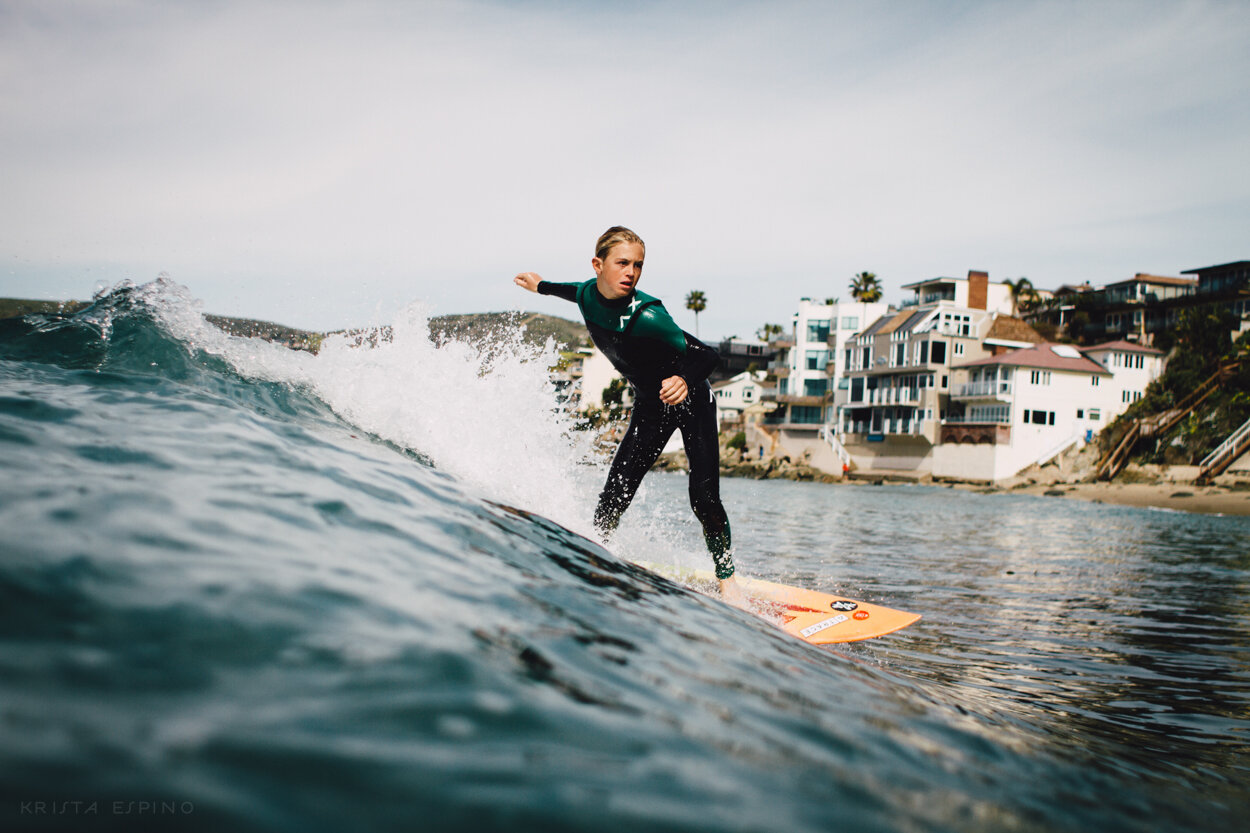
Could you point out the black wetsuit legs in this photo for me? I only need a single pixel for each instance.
(650, 427)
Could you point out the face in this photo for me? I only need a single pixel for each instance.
(617, 274)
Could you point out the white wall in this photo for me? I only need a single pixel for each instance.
(597, 372)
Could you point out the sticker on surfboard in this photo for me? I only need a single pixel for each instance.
(810, 615)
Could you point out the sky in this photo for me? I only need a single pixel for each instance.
(325, 164)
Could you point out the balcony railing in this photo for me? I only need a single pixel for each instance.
(962, 419)
(990, 388)
(910, 427)
(887, 396)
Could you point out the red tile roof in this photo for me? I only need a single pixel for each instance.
(1043, 356)
(1124, 347)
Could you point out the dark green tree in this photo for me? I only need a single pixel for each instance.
(865, 288)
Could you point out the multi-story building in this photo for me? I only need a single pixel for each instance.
(1140, 307)
(808, 372)
(742, 354)
(1018, 408)
(1022, 407)
(899, 368)
(1228, 282)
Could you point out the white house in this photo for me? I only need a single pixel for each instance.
(1134, 366)
(735, 395)
(585, 378)
(1015, 409)
(812, 374)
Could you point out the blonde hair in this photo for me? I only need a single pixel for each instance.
(613, 236)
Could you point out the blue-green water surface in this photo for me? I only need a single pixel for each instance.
(226, 605)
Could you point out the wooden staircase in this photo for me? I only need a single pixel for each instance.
(1217, 461)
(1157, 424)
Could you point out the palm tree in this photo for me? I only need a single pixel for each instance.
(767, 332)
(696, 302)
(1023, 295)
(865, 288)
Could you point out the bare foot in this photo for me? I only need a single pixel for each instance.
(731, 592)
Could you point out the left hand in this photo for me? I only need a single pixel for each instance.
(673, 390)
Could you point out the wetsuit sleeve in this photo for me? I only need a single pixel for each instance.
(698, 362)
(567, 291)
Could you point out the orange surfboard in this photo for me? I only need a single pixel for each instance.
(815, 617)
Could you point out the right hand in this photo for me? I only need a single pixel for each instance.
(528, 280)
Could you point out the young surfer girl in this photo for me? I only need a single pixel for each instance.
(668, 370)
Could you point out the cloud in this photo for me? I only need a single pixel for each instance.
(319, 161)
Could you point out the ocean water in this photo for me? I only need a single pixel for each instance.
(243, 588)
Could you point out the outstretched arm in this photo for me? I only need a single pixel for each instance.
(535, 283)
(528, 280)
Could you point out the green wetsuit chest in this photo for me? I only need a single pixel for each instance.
(642, 315)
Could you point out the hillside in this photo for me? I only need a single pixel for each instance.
(477, 329)
(1206, 339)
(481, 328)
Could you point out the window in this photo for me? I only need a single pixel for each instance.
(955, 324)
(959, 348)
(1093, 380)
(817, 359)
(923, 356)
(817, 330)
(748, 395)
(1130, 396)
(1095, 414)
(1039, 377)
(1039, 417)
(850, 322)
(1080, 413)
(900, 355)
(937, 353)
(815, 387)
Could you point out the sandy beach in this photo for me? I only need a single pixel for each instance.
(1218, 499)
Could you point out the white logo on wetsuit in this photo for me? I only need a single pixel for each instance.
(633, 306)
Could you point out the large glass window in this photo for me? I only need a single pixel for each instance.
(815, 387)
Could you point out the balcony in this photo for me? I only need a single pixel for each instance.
(898, 426)
(991, 389)
(805, 401)
(887, 396)
(958, 430)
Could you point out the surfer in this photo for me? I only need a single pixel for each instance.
(668, 369)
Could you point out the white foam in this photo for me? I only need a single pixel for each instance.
(489, 417)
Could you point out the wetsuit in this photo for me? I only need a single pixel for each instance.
(646, 346)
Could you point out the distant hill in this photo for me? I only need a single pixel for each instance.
(476, 328)
(13, 307)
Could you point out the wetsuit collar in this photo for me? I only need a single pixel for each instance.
(617, 315)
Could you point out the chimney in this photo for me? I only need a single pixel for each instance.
(978, 289)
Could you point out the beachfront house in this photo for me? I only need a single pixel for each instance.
(1133, 366)
(1013, 410)
(1018, 408)
(809, 374)
(898, 370)
(736, 395)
